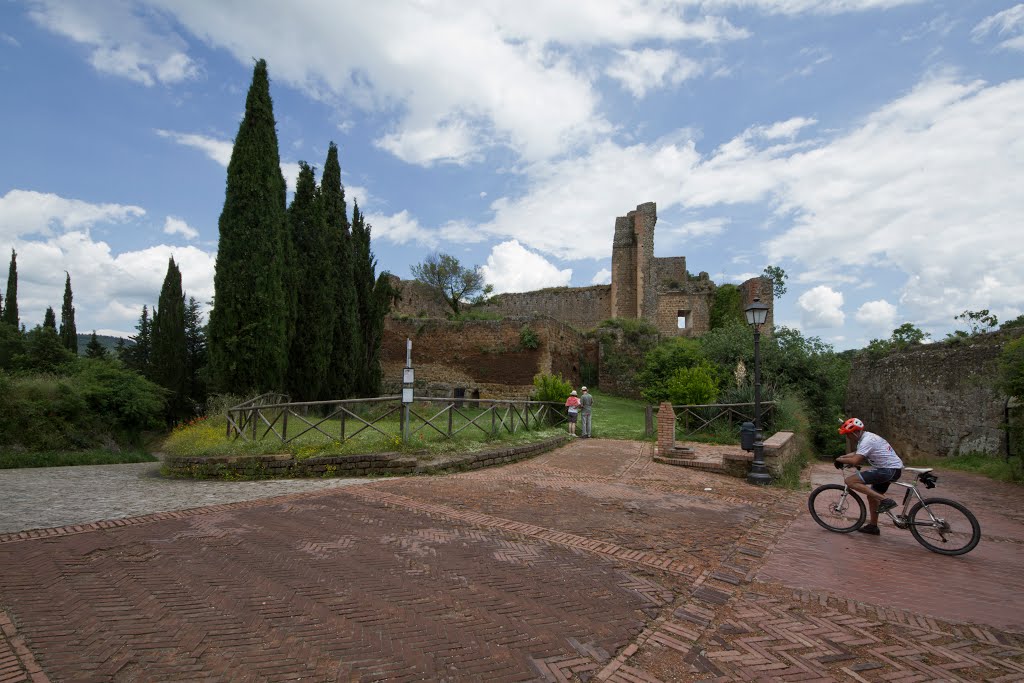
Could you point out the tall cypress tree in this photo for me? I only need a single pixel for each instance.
(168, 356)
(50, 319)
(10, 315)
(376, 297)
(195, 353)
(313, 270)
(137, 356)
(68, 332)
(248, 330)
(347, 342)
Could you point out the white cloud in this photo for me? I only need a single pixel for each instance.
(455, 143)
(176, 226)
(821, 307)
(25, 213)
(704, 228)
(51, 234)
(641, 71)
(461, 232)
(880, 315)
(216, 149)
(513, 268)
(1009, 22)
(794, 7)
(9, 39)
(220, 151)
(123, 42)
(400, 228)
(602, 277)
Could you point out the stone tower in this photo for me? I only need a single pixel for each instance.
(634, 292)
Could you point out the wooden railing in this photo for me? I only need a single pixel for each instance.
(447, 417)
(712, 417)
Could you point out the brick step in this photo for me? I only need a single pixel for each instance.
(706, 465)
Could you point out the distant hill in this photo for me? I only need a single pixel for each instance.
(109, 343)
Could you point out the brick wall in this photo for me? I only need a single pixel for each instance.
(484, 355)
(581, 307)
(935, 399)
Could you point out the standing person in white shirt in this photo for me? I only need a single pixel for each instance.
(886, 466)
(586, 407)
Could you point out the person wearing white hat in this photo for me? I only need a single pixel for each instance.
(572, 406)
(586, 405)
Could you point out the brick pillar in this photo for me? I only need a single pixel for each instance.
(666, 429)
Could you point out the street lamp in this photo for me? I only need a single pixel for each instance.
(757, 314)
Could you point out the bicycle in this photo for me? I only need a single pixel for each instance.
(941, 525)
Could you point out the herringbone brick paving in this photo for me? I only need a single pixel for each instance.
(587, 563)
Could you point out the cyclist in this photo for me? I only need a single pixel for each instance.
(886, 466)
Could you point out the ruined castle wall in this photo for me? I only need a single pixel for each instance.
(416, 299)
(581, 307)
(762, 288)
(645, 217)
(696, 303)
(483, 356)
(935, 399)
(670, 272)
(624, 284)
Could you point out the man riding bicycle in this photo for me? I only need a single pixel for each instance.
(886, 467)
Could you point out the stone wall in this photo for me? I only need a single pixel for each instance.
(935, 399)
(581, 307)
(485, 358)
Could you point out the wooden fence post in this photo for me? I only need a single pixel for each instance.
(649, 421)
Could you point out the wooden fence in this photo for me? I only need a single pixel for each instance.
(713, 417)
(263, 417)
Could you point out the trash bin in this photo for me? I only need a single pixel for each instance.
(748, 434)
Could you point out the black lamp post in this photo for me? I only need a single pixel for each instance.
(757, 314)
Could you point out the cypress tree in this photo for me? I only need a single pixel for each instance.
(94, 349)
(68, 333)
(347, 342)
(167, 353)
(375, 296)
(195, 353)
(137, 356)
(314, 273)
(50, 319)
(10, 315)
(248, 329)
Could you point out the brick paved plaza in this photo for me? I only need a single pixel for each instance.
(587, 563)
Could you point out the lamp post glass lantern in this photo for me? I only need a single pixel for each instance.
(757, 315)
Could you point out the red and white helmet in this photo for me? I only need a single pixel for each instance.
(852, 425)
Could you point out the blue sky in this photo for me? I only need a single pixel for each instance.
(874, 149)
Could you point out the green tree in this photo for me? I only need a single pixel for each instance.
(138, 355)
(375, 297)
(1016, 322)
(1011, 368)
(978, 322)
(778, 279)
(68, 331)
(315, 272)
(691, 386)
(12, 345)
(168, 360)
(10, 314)
(904, 336)
(347, 344)
(450, 281)
(50, 319)
(45, 352)
(727, 306)
(94, 349)
(248, 328)
(195, 354)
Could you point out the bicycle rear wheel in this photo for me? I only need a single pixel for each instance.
(944, 526)
(836, 508)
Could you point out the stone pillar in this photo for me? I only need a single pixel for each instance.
(644, 219)
(623, 294)
(666, 430)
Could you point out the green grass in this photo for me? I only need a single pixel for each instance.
(993, 467)
(11, 460)
(617, 418)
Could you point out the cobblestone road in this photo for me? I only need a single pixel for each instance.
(588, 563)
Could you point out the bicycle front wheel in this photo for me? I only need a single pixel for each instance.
(836, 508)
(944, 526)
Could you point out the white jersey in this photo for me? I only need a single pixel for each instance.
(878, 451)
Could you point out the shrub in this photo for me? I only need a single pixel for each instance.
(550, 388)
(692, 386)
(1011, 368)
(528, 339)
